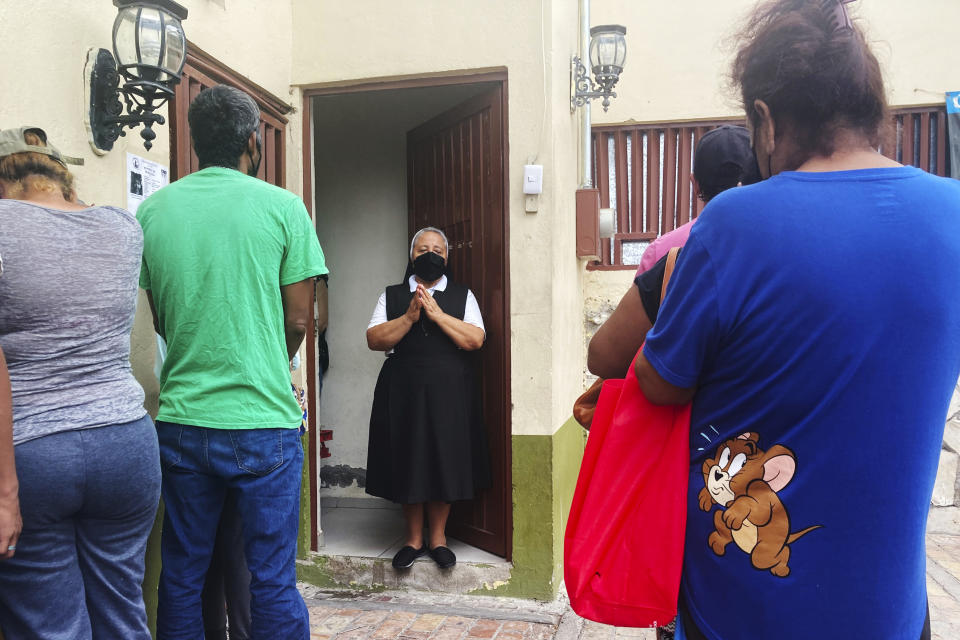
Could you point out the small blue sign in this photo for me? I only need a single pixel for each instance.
(953, 102)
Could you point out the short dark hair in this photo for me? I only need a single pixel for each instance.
(221, 121)
(817, 77)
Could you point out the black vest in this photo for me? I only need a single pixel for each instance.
(425, 337)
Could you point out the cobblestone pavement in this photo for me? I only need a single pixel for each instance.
(943, 585)
(418, 616)
(426, 616)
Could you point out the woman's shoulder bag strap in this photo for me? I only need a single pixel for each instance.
(668, 271)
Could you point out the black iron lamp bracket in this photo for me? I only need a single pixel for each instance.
(107, 121)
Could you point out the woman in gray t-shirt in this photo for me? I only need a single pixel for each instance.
(86, 452)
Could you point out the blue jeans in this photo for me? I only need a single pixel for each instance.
(88, 499)
(262, 467)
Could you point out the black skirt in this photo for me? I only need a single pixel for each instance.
(427, 440)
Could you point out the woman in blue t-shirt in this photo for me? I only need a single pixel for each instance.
(810, 322)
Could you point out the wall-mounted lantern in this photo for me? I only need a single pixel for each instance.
(608, 52)
(150, 49)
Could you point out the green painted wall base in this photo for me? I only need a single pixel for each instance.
(545, 472)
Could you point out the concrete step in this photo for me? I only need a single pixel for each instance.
(333, 571)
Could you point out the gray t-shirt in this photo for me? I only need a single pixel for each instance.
(67, 300)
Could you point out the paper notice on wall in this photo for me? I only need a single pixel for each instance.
(143, 178)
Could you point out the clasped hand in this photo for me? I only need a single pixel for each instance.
(423, 301)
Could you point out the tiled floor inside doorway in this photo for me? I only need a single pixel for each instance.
(374, 528)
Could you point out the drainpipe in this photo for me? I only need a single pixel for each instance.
(586, 179)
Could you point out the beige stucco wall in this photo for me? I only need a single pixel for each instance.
(336, 42)
(43, 85)
(678, 54)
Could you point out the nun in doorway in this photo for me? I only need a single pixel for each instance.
(427, 444)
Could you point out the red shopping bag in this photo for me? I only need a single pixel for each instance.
(623, 547)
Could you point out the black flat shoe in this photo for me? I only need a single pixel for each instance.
(443, 557)
(406, 557)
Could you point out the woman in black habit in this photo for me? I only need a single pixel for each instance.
(427, 443)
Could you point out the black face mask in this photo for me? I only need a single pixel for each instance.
(255, 166)
(429, 266)
(751, 172)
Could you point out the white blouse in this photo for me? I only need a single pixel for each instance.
(471, 313)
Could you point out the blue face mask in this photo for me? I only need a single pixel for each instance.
(429, 266)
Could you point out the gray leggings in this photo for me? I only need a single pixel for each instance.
(88, 500)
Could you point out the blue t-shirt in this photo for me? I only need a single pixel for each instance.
(816, 314)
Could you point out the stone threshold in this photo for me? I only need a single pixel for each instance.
(377, 574)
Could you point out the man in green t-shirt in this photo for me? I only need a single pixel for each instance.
(229, 265)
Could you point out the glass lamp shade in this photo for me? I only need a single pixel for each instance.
(608, 49)
(148, 40)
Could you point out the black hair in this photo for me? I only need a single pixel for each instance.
(221, 121)
(817, 74)
(732, 174)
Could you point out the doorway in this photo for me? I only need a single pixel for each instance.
(387, 160)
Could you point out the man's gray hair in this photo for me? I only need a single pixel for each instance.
(221, 121)
(416, 236)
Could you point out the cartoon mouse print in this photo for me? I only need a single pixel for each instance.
(744, 480)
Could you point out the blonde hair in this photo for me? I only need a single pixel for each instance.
(36, 171)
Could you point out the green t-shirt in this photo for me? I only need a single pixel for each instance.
(218, 245)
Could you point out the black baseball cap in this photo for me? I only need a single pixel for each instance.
(723, 159)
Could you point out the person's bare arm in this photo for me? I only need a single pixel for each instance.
(10, 522)
(322, 310)
(613, 346)
(386, 335)
(153, 311)
(297, 299)
(465, 335)
(656, 389)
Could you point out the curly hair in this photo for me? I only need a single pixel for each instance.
(36, 171)
(818, 76)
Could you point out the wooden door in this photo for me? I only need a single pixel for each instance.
(456, 168)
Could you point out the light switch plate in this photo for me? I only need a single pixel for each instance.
(532, 179)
